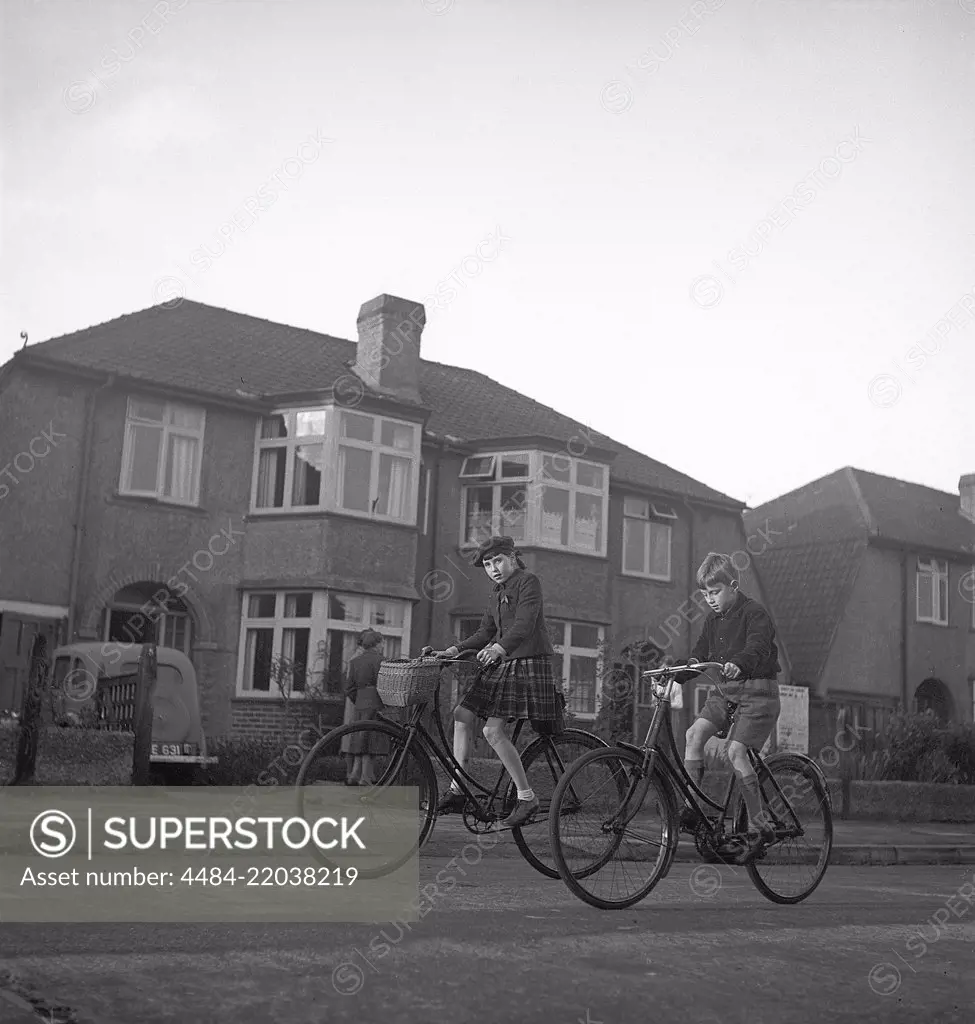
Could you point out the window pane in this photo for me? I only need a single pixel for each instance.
(588, 475)
(146, 448)
(345, 607)
(396, 435)
(387, 613)
(589, 522)
(636, 507)
(310, 422)
(555, 516)
(357, 426)
(582, 684)
(514, 466)
(130, 626)
(297, 606)
(183, 416)
(583, 636)
(355, 467)
(942, 598)
(477, 465)
(556, 632)
(480, 507)
(659, 549)
(925, 596)
(273, 426)
(294, 649)
(341, 646)
(181, 468)
(556, 467)
(257, 659)
(139, 409)
(394, 486)
(634, 546)
(513, 511)
(260, 606)
(270, 478)
(306, 485)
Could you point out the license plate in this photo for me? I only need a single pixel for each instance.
(175, 749)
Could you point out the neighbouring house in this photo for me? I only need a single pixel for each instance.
(247, 492)
(871, 586)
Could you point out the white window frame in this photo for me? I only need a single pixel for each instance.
(319, 625)
(932, 573)
(534, 482)
(330, 496)
(566, 651)
(656, 515)
(168, 430)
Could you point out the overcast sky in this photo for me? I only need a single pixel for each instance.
(723, 226)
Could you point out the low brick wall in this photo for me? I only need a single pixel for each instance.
(73, 757)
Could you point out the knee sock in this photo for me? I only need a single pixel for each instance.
(508, 754)
(696, 771)
(461, 742)
(753, 800)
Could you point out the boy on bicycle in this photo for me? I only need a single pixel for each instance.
(740, 635)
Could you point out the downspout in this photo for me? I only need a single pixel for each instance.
(904, 627)
(691, 586)
(82, 498)
(434, 488)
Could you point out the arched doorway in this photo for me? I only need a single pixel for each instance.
(933, 695)
(139, 614)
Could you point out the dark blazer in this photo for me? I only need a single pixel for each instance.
(745, 636)
(360, 685)
(515, 619)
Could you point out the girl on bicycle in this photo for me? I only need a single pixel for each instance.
(516, 680)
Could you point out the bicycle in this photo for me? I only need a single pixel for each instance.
(642, 826)
(407, 762)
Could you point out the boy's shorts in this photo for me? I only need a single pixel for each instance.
(758, 711)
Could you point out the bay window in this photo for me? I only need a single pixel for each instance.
(304, 640)
(336, 459)
(538, 498)
(647, 538)
(162, 451)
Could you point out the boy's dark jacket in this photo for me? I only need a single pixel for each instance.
(743, 635)
(515, 619)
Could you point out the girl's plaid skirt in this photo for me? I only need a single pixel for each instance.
(516, 688)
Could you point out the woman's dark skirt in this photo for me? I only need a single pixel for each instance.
(367, 742)
(518, 688)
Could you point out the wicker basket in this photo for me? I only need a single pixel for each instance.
(402, 682)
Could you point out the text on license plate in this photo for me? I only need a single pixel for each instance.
(175, 749)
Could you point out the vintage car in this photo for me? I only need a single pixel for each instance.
(81, 685)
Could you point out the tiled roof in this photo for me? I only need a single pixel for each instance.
(217, 352)
(818, 534)
(807, 587)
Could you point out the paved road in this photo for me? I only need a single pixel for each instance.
(871, 945)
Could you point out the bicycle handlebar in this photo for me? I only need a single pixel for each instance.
(672, 670)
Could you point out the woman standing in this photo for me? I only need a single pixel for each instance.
(517, 682)
(360, 688)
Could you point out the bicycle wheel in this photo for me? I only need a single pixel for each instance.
(545, 761)
(397, 761)
(613, 829)
(797, 803)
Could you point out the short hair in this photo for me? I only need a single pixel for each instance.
(716, 569)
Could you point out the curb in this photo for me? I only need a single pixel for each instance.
(860, 855)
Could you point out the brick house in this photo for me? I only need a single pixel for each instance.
(871, 587)
(245, 490)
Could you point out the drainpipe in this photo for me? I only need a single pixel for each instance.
(691, 586)
(434, 488)
(904, 627)
(82, 498)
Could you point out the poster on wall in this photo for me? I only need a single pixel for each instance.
(792, 730)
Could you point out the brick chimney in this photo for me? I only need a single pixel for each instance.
(966, 488)
(388, 351)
